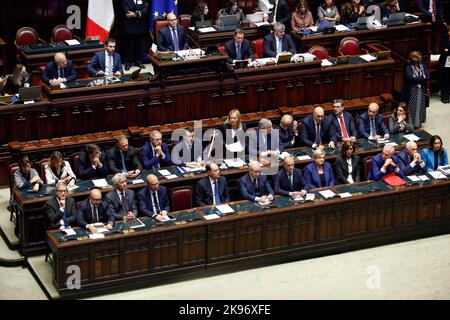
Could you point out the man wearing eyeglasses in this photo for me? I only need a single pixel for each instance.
(172, 37)
(385, 163)
(254, 186)
(94, 210)
(61, 211)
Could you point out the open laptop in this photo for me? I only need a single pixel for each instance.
(203, 24)
(30, 93)
(255, 17)
(228, 23)
(361, 23)
(396, 19)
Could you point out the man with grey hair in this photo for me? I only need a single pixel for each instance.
(59, 70)
(122, 158)
(61, 210)
(264, 141)
(288, 131)
(254, 186)
(278, 42)
(121, 199)
(343, 122)
(411, 161)
(155, 153)
(317, 130)
(385, 163)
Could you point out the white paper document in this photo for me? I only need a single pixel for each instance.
(345, 195)
(327, 194)
(436, 174)
(96, 236)
(69, 231)
(259, 24)
(164, 172)
(171, 176)
(283, 155)
(71, 188)
(424, 178)
(100, 227)
(368, 57)
(207, 29)
(298, 199)
(411, 137)
(307, 56)
(341, 27)
(137, 181)
(234, 163)
(235, 147)
(313, 28)
(100, 183)
(72, 42)
(413, 178)
(211, 216)
(326, 63)
(224, 208)
(306, 157)
(310, 197)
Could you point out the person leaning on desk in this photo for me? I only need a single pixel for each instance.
(11, 83)
(153, 200)
(60, 70)
(123, 158)
(106, 62)
(172, 37)
(278, 42)
(385, 163)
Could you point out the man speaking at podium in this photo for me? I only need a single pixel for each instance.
(172, 37)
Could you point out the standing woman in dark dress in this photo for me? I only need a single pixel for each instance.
(414, 91)
(18, 79)
(200, 13)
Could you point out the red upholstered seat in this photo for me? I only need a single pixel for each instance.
(181, 198)
(185, 21)
(26, 35)
(159, 24)
(319, 51)
(222, 49)
(61, 33)
(258, 48)
(349, 46)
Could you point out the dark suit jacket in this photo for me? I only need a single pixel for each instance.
(424, 5)
(165, 42)
(204, 193)
(136, 25)
(341, 169)
(256, 145)
(349, 125)
(377, 164)
(179, 156)
(283, 185)
(308, 131)
(286, 136)
(270, 45)
(248, 189)
(84, 213)
(283, 14)
(97, 63)
(115, 160)
(149, 160)
(405, 165)
(54, 215)
(246, 50)
(145, 201)
(85, 169)
(51, 72)
(364, 125)
(312, 178)
(226, 133)
(113, 200)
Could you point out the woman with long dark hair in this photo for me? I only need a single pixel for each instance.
(435, 155)
(201, 13)
(399, 121)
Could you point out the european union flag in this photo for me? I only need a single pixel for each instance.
(160, 8)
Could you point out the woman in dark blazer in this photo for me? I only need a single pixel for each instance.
(319, 173)
(346, 167)
(233, 130)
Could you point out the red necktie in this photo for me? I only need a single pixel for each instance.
(343, 129)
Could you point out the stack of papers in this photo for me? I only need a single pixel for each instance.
(341, 27)
(310, 197)
(264, 23)
(235, 147)
(326, 63)
(211, 216)
(96, 236)
(100, 183)
(414, 178)
(207, 29)
(224, 209)
(305, 157)
(72, 42)
(164, 172)
(137, 181)
(313, 28)
(345, 195)
(424, 178)
(234, 163)
(69, 231)
(100, 227)
(327, 194)
(411, 137)
(437, 175)
(368, 57)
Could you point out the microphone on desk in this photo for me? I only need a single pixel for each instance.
(195, 42)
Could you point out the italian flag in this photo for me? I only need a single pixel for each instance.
(100, 18)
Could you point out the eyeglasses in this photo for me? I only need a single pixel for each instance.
(172, 20)
(61, 190)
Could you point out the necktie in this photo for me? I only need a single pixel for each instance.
(156, 203)
(291, 181)
(373, 131)
(124, 167)
(342, 125)
(279, 45)
(124, 202)
(318, 139)
(95, 215)
(59, 73)
(109, 65)
(157, 165)
(216, 193)
(238, 52)
(256, 185)
(175, 40)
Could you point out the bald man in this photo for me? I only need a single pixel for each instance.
(371, 124)
(385, 163)
(212, 189)
(172, 37)
(60, 70)
(153, 200)
(94, 210)
(317, 130)
(287, 131)
(411, 161)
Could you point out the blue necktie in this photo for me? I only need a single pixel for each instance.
(238, 52)
(124, 167)
(156, 203)
(175, 40)
(216, 192)
(318, 139)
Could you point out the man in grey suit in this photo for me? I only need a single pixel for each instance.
(121, 200)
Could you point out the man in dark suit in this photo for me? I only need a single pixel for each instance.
(287, 131)
(155, 154)
(121, 199)
(289, 180)
(385, 163)
(343, 122)
(94, 210)
(61, 211)
(278, 42)
(123, 158)
(212, 190)
(436, 14)
(106, 62)
(371, 124)
(264, 141)
(317, 129)
(92, 163)
(254, 186)
(172, 37)
(281, 12)
(154, 200)
(238, 48)
(135, 30)
(60, 70)
(410, 160)
(188, 152)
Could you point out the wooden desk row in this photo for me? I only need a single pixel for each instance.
(250, 238)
